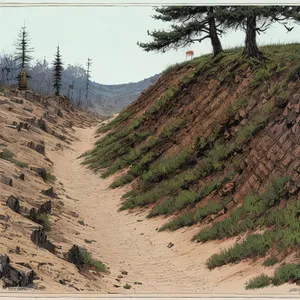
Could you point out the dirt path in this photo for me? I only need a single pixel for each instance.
(126, 241)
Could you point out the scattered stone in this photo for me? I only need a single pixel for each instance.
(116, 286)
(45, 208)
(13, 203)
(59, 113)
(28, 109)
(42, 173)
(81, 223)
(40, 148)
(88, 241)
(120, 276)
(6, 180)
(15, 274)
(22, 176)
(170, 245)
(42, 124)
(124, 272)
(49, 193)
(62, 281)
(39, 238)
(31, 145)
(136, 282)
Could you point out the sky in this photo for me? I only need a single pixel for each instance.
(109, 36)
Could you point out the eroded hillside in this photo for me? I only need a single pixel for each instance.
(38, 227)
(215, 143)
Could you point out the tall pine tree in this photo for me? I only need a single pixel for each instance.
(57, 72)
(255, 20)
(23, 57)
(190, 24)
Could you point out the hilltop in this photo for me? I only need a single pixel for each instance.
(214, 146)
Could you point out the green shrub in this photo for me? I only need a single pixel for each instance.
(43, 219)
(236, 106)
(87, 259)
(258, 282)
(282, 99)
(287, 273)
(19, 163)
(127, 286)
(270, 261)
(50, 177)
(6, 154)
(254, 245)
(9, 156)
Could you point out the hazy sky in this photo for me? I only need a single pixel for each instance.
(108, 35)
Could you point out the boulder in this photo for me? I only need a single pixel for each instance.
(39, 237)
(40, 148)
(45, 208)
(22, 176)
(15, 274)
(6, 180)
(13, 203)
(49, 192)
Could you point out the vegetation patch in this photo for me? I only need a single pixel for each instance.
(87, 259)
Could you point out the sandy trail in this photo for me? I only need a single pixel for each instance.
(126, 241)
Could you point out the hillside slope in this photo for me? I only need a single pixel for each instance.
(216, 142)
(38, 227)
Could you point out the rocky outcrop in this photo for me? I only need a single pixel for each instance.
(13, 274)
(39, 237)
(6, 180)
(13, 203)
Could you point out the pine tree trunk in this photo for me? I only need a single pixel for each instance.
(251, 49)
(215, 41)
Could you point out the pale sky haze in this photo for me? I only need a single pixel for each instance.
(108, 35)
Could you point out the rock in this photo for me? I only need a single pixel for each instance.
(26, 126)
(28, 109)
(228, 188)
(81, 223)
(49, 193)
(41, 172)
(13, 203)
(4, 265)
(31, 145)
(59, 113)
(42, 124)
(62, 281)
(15, 274)
(39, 238)
(124, 272)
(6, 180)
(87, 241)
(170, 245)
(40, 148)
(22, 176)
(45, 208)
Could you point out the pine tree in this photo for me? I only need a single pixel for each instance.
(22, 55)
(255, 20)
(88, 77)
(57, 72)
(190, 24)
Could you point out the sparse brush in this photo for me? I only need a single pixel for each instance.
(87, 259)
(270, 261)
(258, 282)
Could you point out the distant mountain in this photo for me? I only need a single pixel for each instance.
(103, 99)
(110, 99)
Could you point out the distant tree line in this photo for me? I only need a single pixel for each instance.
(190, 24)
(16, 68)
